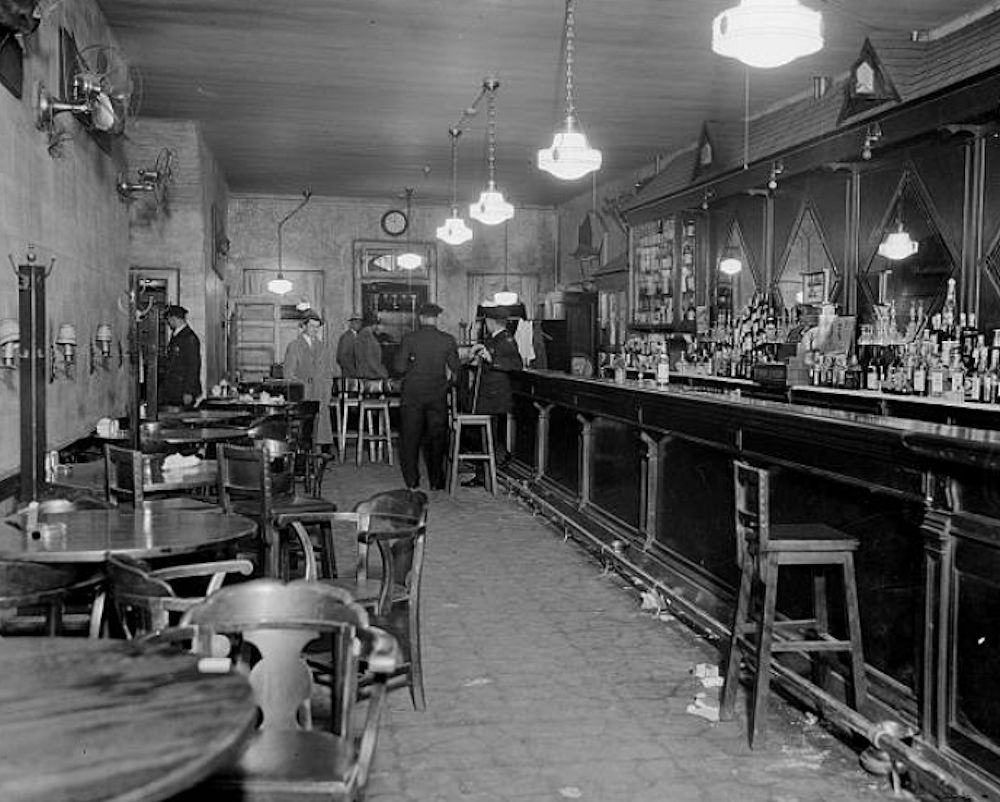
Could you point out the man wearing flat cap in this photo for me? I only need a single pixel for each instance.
(310, 361)
(496, 358)
(428, 361)
(180, 371)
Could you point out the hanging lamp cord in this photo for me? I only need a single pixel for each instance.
(570, 35)
(454, 133)
(491, 133)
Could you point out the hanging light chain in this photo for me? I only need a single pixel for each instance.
(454, 133)
(570, 35)
(491, 133)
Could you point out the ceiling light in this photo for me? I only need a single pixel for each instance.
(454, 231)
(897, 245)
(767, 33)
(491, 208)
(281, 285)
(570, 156)
(730, 264)
(505, 298)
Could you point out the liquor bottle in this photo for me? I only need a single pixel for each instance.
(920, 375)
(935, 378)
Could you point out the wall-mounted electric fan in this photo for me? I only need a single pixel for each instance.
(153, 180)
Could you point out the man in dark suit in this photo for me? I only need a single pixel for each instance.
(428, 361)
(497, 357)
(180, 377)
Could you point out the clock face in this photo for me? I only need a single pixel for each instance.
(394, 222)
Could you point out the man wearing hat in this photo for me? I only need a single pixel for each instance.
(310, 361)
(180, 372)
(347, 347)
(495, 358)
(428, 360)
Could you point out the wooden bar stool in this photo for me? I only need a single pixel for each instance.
(374, 422)
(348, 399)
(487, 454)
(762, 548)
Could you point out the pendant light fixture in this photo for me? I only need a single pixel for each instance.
(731, 262)
(570, 156)
(897, 244)
(454, 231)
(409, 259)
(505, 297)
(491, 209)
(767, 33)
(281, 285)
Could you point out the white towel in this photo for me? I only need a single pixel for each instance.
(523, 339)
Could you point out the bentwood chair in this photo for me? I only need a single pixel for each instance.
(395, 522)
(246, 487)
(763, 548)
(309, 465)
(27, 586)
(144, 599)
(267, 625)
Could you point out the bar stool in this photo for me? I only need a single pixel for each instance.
(348, 399)
(487, 454)
(762, 548)
(374, 423)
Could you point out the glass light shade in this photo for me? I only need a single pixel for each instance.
(504, 298)
(897, 245)
(454, 231)
(730, 265)
(66, 335)
(10, 331)
(491, 209)
(767, 33)
(409, 260)
(570, 157)
(279, 285)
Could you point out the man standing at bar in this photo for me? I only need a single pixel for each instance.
(180, 377)
(495, 358)
(308, 360)
(428, 361)
(368, 351)
(347, 347)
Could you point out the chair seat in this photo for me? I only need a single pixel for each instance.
(812, 537)
(292, 504)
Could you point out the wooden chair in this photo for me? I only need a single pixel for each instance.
(129, 476)
(309, 465)
(143, 599)
(246, 487)
(292, 756)
(26, 585)
(395, 522)
(762, 548)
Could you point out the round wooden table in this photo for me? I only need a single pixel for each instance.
(187, 435)
(85, 720)
(205, 417)
(89, 535)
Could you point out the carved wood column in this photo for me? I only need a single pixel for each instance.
(542, 439)
(586, 459)
(31, 316)
(649, 487)
(939, 556)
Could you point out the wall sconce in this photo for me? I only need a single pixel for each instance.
(100, 347)
(873, 133)
(777, 168)
(706, 198)
(10, 338)
(64, 350)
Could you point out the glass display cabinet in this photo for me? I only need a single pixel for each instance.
(664, 276)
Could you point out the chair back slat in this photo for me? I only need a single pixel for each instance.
(752, 514)
(124, 474)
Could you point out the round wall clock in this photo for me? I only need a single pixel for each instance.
(395, 222)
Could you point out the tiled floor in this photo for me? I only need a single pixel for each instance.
(547, 681)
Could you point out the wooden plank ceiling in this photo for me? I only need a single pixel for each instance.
(354, 97)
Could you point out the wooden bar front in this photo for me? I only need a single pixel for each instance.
(652, 467)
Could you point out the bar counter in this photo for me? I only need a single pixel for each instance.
(651, 467)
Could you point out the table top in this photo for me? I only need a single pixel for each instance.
(89, 476)
(87, 536)
(179, 435)
(204, 416)
(83, 720)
